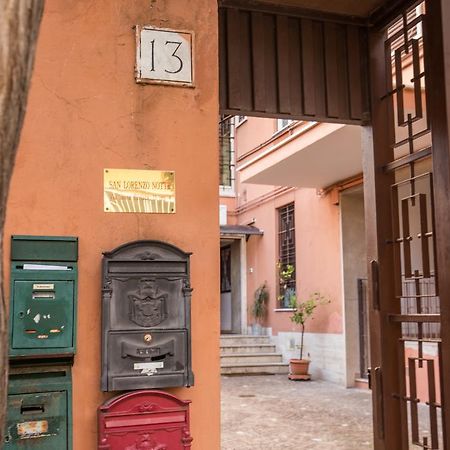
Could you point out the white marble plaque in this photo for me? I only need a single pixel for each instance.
(164, 56)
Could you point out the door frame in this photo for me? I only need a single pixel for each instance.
(241, 241)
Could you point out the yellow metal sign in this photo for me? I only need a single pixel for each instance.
(139, 191)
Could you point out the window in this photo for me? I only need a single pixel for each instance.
(286, 253)
(283, 123)
(226, 157)
(240, 120)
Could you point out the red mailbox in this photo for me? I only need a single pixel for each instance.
(144, 420)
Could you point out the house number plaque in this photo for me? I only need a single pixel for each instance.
(164, 56)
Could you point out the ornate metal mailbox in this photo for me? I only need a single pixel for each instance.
(144, 420)
(43, 296)
(39, 414)
(146, 302)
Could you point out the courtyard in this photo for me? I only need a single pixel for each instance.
(271, 412)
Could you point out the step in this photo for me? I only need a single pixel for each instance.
(243, 339)
(250, 348)
(249, 358)
(362, 383)
(255, 369)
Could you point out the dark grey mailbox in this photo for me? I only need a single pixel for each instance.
(146, 307)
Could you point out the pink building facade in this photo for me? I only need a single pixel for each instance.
(316, 220)
(304, 180)
(298, 186)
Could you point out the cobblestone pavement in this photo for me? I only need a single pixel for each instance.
(273, 413)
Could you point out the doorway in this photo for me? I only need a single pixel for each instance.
(335, 69)
(354, 256)
(233, 301)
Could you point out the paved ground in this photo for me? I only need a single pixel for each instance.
(273, 413)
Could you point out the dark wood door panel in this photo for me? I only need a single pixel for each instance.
(276, 65)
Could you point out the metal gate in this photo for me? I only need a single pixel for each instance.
(394, 55)
(406, 346)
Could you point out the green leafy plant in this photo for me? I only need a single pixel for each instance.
(259, 307)
(304, 310)
(285, 275)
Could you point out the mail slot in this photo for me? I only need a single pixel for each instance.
(146, 327)
(144, 420)
(39, 409)
(43, 296)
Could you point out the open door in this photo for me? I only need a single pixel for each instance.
(306, 65)
(226, 307)
(407, 373)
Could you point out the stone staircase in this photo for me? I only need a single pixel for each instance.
(250, 355)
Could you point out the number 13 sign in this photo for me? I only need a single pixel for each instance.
(164, 56)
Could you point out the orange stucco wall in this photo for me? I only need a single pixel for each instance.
(86, 113)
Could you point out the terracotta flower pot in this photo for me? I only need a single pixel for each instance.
(298, 369)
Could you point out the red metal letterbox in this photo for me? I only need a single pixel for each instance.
(144, 420)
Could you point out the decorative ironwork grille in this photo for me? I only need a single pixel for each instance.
(429, 304)
(226, 148)
(419, 346)
(286, 250)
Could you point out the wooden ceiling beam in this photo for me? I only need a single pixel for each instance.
(272, 8)
(381, 16)
(390, 11)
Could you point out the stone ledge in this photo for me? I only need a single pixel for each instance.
(284, 310)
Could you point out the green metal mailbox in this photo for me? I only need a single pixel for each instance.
(39, 413)
(44, 278)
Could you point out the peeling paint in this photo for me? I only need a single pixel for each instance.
(37, 318)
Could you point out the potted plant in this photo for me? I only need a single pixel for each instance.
(303, 311)
(259, 307)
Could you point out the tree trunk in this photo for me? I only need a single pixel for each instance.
(19, 26)
(301, 341)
